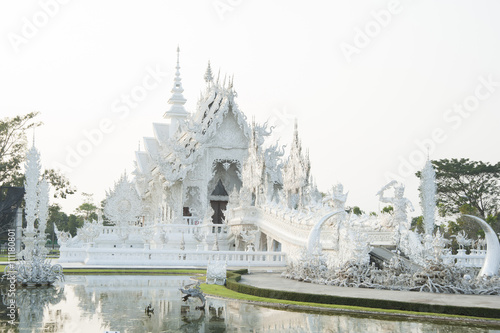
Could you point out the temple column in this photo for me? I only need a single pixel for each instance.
(177, 197)
(256, 244)
(203, 201)
(269, 241)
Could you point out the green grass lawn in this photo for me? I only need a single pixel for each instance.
(222, 291)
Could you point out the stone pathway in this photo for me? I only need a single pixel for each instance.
(274, 281)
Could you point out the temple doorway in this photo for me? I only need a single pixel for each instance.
(219, 207)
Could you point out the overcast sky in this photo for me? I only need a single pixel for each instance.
(373, 84)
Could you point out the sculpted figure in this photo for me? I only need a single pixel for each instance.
(398, 202)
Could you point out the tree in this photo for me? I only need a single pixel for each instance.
(357, 211)
(87, 210)
(13, 148)
(74, 222)
(417, 224)
(463, 182)
(57, 217)
(60, 184)
(387, 210)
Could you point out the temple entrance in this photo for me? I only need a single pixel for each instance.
(225, 179)
(218, 207)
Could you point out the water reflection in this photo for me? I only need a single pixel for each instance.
(117, 303)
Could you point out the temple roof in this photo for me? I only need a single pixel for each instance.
(161, 132)
(151, 145)
(143, 161)
(175, 154)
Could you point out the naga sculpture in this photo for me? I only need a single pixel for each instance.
(194, 292)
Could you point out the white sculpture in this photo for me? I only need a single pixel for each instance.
(313, 243)
(62, 236)
(400, 205)
(399, 202)
(248, 236)
(89, 231)
(462, 240)
(492, 261)
(32, 269)
(123, 205)
(428, 197)
(216, 272)
(296, 173)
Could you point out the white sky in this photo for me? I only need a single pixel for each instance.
(359, 118)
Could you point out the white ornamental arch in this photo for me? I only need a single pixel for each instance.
(123, 204)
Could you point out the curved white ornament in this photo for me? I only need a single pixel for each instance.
(314, 234)
(492, 260)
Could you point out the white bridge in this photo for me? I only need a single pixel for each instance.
(291, 228)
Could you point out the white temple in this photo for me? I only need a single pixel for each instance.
(209, 187)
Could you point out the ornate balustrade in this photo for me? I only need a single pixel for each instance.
(380, 238)
(148, 257)
(474, 259)
(192, 220)
(188, 228)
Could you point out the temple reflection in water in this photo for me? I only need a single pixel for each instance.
(117, 303)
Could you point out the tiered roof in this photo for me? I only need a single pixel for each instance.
(173, 155)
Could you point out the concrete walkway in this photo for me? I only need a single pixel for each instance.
(274, 281)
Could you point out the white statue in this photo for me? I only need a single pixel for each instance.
(462, 240)
(398, 202)
(248, 236)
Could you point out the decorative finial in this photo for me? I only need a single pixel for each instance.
(178, 50)
(296, 131)
(33, 136)
(139, 146)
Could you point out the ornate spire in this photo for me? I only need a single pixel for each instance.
(428, 197)
(296, 141)
(177, 100)
(208, 74)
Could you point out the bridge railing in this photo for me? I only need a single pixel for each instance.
(189, 227)
(151, 257)
(474, 259)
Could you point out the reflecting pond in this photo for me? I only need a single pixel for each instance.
(100, 303)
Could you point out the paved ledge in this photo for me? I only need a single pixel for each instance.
(274, 281)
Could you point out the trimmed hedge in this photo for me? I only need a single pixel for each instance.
(233, 278)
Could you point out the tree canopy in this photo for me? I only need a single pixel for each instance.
(13, 146)
(13, 149)
(464, 182)
(87, 209)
